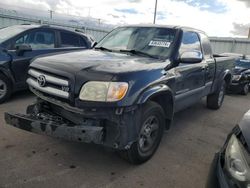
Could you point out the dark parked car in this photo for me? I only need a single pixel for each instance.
(231, 166)
(21, 43)
(124, 93)
(241, 77)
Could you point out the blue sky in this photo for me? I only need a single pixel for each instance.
(210, 5)
(216, 17)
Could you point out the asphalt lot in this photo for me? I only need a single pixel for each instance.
(182, 160)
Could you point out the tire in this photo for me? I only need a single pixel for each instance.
(215, 100)
(245, 89)
(152, 125)
(5, 88)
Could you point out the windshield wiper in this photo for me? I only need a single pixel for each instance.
(103, 48)
(137, 52)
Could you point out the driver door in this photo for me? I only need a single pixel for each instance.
(42, 41)
(190, 77)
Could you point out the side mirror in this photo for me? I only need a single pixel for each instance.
(191, 57)
(2, 49)
(20, 49)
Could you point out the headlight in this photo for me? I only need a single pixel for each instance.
(236, 77)
(235, 161)
(103, 91)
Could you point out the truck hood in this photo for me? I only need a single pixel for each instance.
(95, 60)
(239, 70)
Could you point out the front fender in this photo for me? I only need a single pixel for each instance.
(225, 75)
(7, 73)
(153, 91)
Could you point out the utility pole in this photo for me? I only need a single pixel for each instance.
(51, 14)
(155, 11)
(89, 11)
(249, 33)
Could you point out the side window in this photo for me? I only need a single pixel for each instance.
(21, 40)
(190, 42)
(83, 42)
(41, 40)
(206, 46)
(37, 40)
(69, 40)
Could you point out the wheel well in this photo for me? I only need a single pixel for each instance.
(7, 77)
(227, 79)
(165, 100)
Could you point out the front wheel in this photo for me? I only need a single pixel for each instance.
(149, 137)
(215, 100)
(245, 89)
(5, 88)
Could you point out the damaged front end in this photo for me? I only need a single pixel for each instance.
(114, 128)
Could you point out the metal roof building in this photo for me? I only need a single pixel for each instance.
(231, 45)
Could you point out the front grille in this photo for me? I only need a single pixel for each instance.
(48, 83)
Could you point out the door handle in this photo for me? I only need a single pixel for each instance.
(205, 68)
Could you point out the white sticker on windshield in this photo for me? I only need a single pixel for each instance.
(156, 43)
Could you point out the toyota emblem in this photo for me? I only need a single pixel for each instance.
(41, 80)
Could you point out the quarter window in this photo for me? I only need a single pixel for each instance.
(70, 40)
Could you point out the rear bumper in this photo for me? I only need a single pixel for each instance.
(87, 134)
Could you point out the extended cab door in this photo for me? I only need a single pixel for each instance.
(190, 77)
(211, 66)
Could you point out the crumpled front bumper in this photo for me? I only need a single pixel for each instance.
(79, 133)
(236, 86)
(108, 127)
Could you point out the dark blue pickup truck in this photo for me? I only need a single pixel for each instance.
(19, 44)
(123, 93)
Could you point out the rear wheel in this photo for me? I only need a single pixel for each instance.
(245, 89)
(5, 88)
(215, 100)
(150, 134)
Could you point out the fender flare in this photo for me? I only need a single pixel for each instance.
(8, 74)
(225, 75)
(168, 97)
(153, 91)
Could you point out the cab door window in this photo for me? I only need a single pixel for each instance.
(21, 40)
(190, 42)
(37, 39)
(206, 46)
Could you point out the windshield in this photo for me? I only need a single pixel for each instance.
(244, 63)
(156, 42)
(8, 32)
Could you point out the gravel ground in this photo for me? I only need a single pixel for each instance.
(182, 160)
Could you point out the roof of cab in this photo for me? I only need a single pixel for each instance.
(166, 26)
(33, 26)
